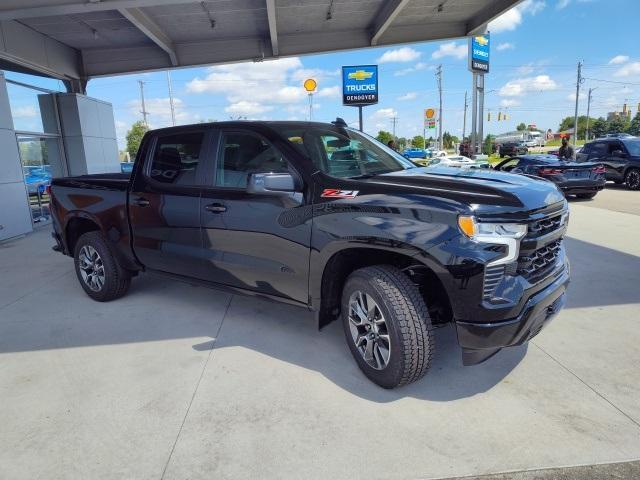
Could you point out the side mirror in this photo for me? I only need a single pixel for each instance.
(272, 184)
(618, 153)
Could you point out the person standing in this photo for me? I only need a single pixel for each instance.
(392, 145)
(566, 151)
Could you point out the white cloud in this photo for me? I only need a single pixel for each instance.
(618, 59)
(245, 108)
(417, 67)
(521, 86)
(563, 4)
(384, 113)
(266, 81)
(317, 74)
(404, 54)
(505, 46)
(27, 111)
(329, 92)
(159, 110)
(408, 96)
(630, 69)
(450, 49)
(508, 102)
(511, 19)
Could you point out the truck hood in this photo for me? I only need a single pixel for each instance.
(474, 186)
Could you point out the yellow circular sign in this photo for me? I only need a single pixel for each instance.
(310, 84)
(429, 113)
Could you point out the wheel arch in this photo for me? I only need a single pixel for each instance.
(330, 276)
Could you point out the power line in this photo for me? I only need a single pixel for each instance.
(611, 81)
(439, 77)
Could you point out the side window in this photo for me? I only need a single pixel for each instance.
(598, 150)
(176, 158)
(510, 165)
(613, 146)
(243, 154)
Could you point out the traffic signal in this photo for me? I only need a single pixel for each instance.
(499, 116)
(488, 116)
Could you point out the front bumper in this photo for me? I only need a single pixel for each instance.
(480, 341)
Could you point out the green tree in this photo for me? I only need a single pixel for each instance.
(521, 127)
(417, 141)
(134, 137)
(598, 128)
(487, 145)
(616, 125)
(634, 126)
(384, 137)
(567, 123)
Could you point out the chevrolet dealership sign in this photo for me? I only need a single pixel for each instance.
(479, 53)
(360, 85)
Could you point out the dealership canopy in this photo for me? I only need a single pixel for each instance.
(79, 39)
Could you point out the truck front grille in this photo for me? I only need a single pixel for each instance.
(539, 262)
(545, 225)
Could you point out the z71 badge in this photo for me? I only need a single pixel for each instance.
(335, 193)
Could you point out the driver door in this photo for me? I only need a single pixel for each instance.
(250, 239)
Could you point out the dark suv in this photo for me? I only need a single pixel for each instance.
(620, 156)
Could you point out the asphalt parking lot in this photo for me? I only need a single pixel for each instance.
(175, 381)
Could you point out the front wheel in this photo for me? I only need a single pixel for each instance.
(387, 326)
(632, 179)
(97, 269)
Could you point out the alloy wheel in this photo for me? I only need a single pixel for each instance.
(633, 179)
(91, 268)
(369, 330)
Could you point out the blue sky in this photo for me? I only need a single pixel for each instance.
(534, 52)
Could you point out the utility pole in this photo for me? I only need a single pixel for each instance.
(586, 135)
(144, 110)
(464, 118)
(439, 77)
(394, 120)
(575, 117)
(173, 112)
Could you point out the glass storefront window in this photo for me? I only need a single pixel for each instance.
(32, 110)
(37, 155)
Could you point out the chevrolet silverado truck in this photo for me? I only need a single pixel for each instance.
(324, 217)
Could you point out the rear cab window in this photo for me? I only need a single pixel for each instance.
(176, 158)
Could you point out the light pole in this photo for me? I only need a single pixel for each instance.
(310, 86)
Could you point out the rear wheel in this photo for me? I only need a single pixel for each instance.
(632, 179)
(387, 326)
(97, 269)
(586, 195)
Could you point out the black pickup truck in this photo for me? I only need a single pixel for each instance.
(324, 217)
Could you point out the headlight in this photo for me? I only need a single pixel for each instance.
(508, 234)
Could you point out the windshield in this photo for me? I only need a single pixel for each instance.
(344, 152)
(633, 146)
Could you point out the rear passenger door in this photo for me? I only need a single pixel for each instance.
(164, 204)
(253, 241)
(616, 161)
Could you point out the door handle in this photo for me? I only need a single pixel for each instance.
(141, 202)
(216, 208)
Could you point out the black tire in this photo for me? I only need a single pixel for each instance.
(115, 281)
(586, 196)
(407, 325)
(632, 179)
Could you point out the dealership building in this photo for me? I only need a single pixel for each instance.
(46, 133)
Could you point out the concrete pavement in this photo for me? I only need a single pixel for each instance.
(175, 381)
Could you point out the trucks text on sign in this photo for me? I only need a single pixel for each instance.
(360, 85)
